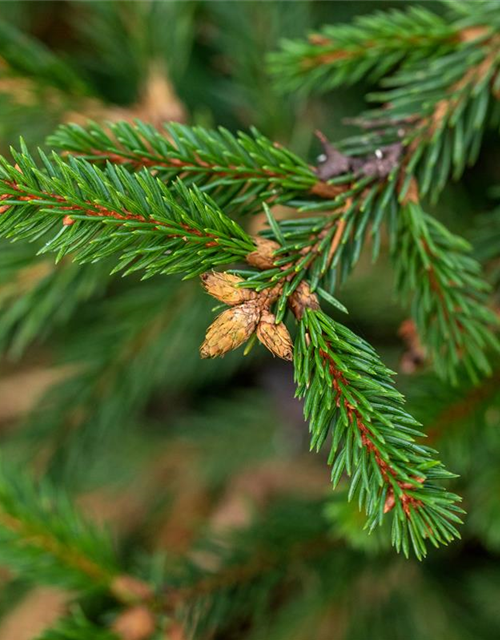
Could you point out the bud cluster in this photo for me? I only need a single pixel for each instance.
(263, 258)
(248, 313)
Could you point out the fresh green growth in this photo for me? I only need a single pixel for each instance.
(373, 46)
(434, 269)
(149, 198)
(349, 396)
(100, 213)
(238, 171)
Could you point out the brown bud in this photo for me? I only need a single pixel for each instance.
(176, 631)
(136, 623)
(470, 34)
(301, 299)
(268, 296)
(275, 336)
(230, 329)
(263, 256)
(223, 287)
(129, 589)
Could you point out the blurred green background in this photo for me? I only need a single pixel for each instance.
(101, 387)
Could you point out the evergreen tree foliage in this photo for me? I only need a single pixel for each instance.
(173, 145)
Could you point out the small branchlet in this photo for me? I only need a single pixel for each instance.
(437, 274)
(348, 393)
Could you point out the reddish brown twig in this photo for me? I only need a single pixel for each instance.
(388, 473)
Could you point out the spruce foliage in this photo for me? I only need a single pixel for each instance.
(276, 239)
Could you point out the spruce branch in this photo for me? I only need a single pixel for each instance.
(434, 269)
(370, 47)
(359, 198)
(238, 171)
(26, 57)
(392, 473)
(437, 104)
(96, 214)
(418, 137)
(44, 538)
(365, 193)
(161, 203)
(242, 173)
(36, 295)
(430, 126)
(348, 393)
(450, 106)
(376, 176)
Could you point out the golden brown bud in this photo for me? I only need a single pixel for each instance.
(263, 256)
(136, 623)
(301, 299)
(230, 329)
(274, 336)
(223, 287)
(129, 589)
(268, 296)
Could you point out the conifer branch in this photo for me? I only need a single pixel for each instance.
(448, 295)
(28, 57)
(367, 184)
(437, 104)
(42, 536)
(375, 177)
(348, 392)
(430, 126)
(37, 295)
(242, 173)
(375, 436)
(238, 171)
(164, 202)
(370, 47)
(99, 213)
(450, 106)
